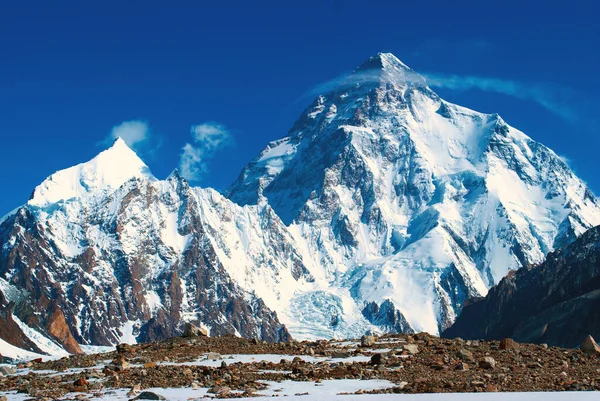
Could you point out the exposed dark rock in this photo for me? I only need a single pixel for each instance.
(557, 302)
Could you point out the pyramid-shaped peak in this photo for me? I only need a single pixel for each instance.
(384, 61)
(387, 68)
(110, 169)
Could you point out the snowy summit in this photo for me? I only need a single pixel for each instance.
(384, 210)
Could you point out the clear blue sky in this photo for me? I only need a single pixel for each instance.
(70, 73)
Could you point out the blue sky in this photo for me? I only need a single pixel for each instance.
(227, 77)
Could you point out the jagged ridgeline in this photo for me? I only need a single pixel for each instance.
(385, 209)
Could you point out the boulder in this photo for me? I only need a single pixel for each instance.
(509, 344)
(411, 348)
(487, 363)
(149, 395)
(589, 346)
(367, 341)
(190, 330)
(465, 355)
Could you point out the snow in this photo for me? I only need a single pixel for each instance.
(10, 351)
(127, 333)
(109, 170)
(153, 301)
(273, 358)
(350, 208)
(42, 342)
(330, 391)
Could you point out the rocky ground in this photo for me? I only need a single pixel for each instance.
(233, 367)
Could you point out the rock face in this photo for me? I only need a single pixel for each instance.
(407, 205)
(566, 290)
(104, 253)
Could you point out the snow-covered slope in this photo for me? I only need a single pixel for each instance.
(126, 257)
(406, 205)
(384, 210)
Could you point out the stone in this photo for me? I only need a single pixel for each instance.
(213, 356)
(367, 341)
(411, 348)
(487, 363)
(135, 390)
(81, 382)
(149, 365)
(149, 395)
(508, 344)
(462, 366)
(376, 359)
(465, 355)
(589, 346)
(190, 330)
(123, 347)
(223, 365)
(3, 398)
(220, 390)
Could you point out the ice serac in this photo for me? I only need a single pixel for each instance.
(118, 255)
(404, 203)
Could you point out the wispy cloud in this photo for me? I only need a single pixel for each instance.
(568, 104)
(440, 48)
(561, 101)
(207, 139)
(136, 134)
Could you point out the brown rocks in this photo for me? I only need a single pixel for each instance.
(487, 363)
(81, 382)
(509, 344)
(150, 365)
(57, 326)
(119, 364)
(462, 366)
(123, 348)
(367, 341)
(376, 359)
(589, 346)
(190, 330)
(411, 348)
(465, 355)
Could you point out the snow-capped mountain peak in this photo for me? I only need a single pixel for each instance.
(385, 68)
(108, 170)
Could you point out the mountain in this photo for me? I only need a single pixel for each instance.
(556, 302)
(104, 253)
(385, 209)
(406, 205)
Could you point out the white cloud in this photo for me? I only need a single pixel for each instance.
(135, 133)
(207, 138)
(561, 101)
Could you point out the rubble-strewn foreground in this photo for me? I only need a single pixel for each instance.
(230, 367)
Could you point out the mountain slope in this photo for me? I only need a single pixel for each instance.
(401, 198)
(121, 256)
(386, 209)
(556, 302)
